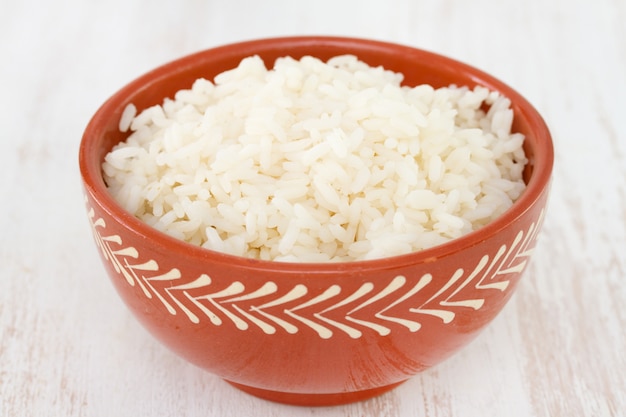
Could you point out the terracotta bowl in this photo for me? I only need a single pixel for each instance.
(313, 334)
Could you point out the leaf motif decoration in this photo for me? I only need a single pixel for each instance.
(274, 310)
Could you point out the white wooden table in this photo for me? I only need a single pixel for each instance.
(68, 347)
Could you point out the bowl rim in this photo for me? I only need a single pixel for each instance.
(93, 183)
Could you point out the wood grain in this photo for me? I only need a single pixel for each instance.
(68, 347)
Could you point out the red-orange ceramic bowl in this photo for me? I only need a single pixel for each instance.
(314, 334)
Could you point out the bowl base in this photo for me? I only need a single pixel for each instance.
(319, 400)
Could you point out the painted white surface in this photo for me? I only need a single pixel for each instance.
(68, 347)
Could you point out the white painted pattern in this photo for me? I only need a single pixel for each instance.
(218, 304)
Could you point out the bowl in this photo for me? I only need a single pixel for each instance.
(313, 333)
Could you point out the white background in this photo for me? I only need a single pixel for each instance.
(68, 347)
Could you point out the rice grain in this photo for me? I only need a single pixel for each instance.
(314, 161)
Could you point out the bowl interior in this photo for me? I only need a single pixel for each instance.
(418, 67)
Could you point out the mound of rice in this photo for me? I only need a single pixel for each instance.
(318, 161)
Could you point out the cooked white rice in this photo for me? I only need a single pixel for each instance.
(315, 162)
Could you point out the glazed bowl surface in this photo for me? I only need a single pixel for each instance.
(313, 333)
